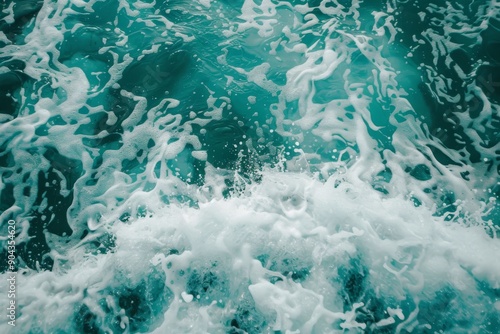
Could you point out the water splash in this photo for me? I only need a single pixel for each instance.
(251, 166)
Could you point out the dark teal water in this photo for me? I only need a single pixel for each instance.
(251, 166)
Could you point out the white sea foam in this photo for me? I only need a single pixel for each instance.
(282, 174)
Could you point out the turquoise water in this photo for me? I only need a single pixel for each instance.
(251, 166)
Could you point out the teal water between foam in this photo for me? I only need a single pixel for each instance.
(256, 166)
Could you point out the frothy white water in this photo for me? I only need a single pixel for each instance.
(252, 167)
(308, 237)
